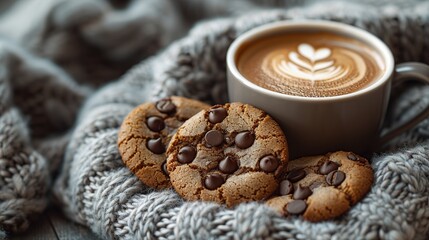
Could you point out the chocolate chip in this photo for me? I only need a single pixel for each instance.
(269, 163)
(155, 123)
(156, 146)
(296, 175)
(165, 106)
(228, 165)
(352, 157)
(302, 193)
(285, 188)
(244, 139)
(164, 168)
(186, 154)
(213, 181)
(335, 178)
(328, 167)
(214, 138)
(217, 115)
(296, 207)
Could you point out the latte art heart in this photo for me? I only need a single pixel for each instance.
(315, 64)
(310, 64)
(308, 52)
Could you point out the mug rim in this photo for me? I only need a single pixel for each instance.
(351, 31)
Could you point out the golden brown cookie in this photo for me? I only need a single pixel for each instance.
(228, 154)
(323, 187)
(146, 132)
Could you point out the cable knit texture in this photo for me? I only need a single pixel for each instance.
(51, 111)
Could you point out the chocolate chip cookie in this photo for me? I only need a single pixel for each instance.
(228, 154)
(146, 132)
(323, 187)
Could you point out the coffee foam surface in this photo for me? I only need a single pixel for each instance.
(310, 64)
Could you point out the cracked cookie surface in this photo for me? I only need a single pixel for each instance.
(146, 132)
(228, 154)
(323, 187)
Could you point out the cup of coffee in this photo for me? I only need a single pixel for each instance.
(326, 83)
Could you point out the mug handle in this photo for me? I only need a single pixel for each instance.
(405, 72)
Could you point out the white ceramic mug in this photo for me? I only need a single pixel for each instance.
(317, 125)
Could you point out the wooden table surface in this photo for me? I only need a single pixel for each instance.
(53, 225)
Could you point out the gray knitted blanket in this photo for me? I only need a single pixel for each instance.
(72, 70)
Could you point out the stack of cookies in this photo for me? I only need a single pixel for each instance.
(236, 153)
